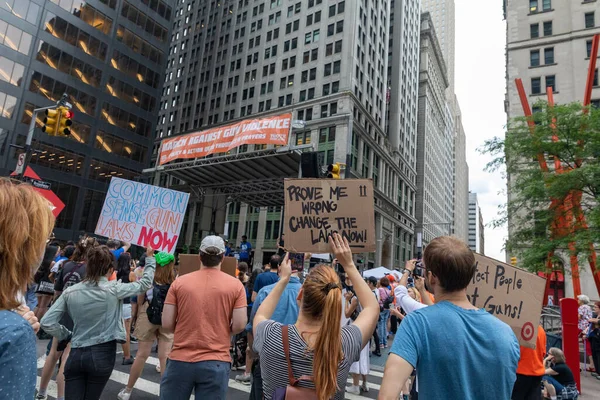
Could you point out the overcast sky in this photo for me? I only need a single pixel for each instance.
(480, 88)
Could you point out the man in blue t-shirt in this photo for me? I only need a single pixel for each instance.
(267, 278)
(245, 249)
(460, 351)
(116, 248)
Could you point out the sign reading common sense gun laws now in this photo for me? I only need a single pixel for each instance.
(511, 294)
(142, 214)
(315, 208)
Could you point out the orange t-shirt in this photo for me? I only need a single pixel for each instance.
(113, 277)
(205, 301)
(531, 362)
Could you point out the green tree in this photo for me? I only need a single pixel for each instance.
(537, 199)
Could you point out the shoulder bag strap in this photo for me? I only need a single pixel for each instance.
(286, 349)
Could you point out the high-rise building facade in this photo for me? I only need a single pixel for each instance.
(548, 45)
(476, 227)
(461, 177)
(443, 15)
(324, 62)
(109, 57)
(434, 140)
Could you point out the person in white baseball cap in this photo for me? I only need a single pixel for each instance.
(200, 357)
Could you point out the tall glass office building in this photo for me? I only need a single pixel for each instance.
(109, 56)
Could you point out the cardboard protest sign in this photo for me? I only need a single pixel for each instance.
(513, 295)
(191, 263)
(142, 214)
(269, 130)
(315, 208)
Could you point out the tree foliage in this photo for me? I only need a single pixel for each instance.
(537, 199)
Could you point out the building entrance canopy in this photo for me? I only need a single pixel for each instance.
(255, 178)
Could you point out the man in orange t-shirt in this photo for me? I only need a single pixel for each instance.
(203, 308)
(531, 370)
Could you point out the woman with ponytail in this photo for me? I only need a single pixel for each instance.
(318, 346)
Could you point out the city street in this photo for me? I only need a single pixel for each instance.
(147, 387)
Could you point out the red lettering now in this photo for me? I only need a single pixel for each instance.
(157, 239)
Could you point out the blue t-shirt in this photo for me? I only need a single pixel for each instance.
(17, 357)
(470, 354)
(264, 279)
(117, 253)
(245, 248)
(286, 312)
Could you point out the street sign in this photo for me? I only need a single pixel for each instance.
(20, 164)
(40, 184)
(298, 124)
(55, 204)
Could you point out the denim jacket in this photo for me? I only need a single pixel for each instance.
(96, 310)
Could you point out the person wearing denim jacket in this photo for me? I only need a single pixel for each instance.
(95, 305)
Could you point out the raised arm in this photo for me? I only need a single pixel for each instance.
(145, 282)
(367, 318)
(266, 309)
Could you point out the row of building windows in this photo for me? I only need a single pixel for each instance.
(14, 38)
(64, 62)
(74, 36)
(161, 8)
(87, 14)
(11, 72)
(103, 171)
(23, 9)
(53, 90)
(125, 120)
(144, 21)
(57, 159)
(131, 67)
(130, 94)
(139, 45)
(120, 147)
(534, 57)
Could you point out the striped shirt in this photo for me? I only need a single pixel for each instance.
(268, 344)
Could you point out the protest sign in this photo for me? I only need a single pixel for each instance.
(269, 130)
(315, 208)
(513, 295)
(142, 214)
(191, 263)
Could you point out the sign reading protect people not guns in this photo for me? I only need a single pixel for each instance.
(511, 294)
(315, 208)
(269, 130)
(142, 214)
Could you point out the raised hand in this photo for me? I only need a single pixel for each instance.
(285, 269)
(341, 249)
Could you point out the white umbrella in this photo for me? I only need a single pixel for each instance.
(377, 272)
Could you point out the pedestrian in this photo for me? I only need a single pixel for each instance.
(125, 275)
(584, 314)
(559, 382)
(384, 315)
(243, 273)
(96, 308)
(594, 337)
(531, 370)
(360, 368)
(281, 245)
(149, 326)
(245, 249)
(117, 248)
(428, 339)
(45, 287)
(25, 224)
(372, 282)
(204, 309)
(268, 277)
(67, 255)
(317, 345)
(71, 273)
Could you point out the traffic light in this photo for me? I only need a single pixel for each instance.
(51, 122)
(513, 261)
(333, 171)
(65, 122)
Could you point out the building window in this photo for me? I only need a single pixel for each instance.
(534, 30)
(534, 58)
(23, 9)
(533, 6)
(551, 82)
(595, 83)
(590, 21)
(7, 105)
(11, 71)
(548, 28)
(536, 85)
(14, 38)
(549, 55)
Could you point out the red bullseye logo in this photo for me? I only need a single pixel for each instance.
(527, 331)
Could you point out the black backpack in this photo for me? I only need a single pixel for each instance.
(155, 308)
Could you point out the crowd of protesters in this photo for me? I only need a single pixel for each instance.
(294, 333)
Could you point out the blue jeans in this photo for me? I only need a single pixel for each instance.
(88, 369)
(382, 326)
(30, 297)
(554, 383)
(210, 380)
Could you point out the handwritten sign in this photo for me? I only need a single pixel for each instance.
(269, 130)
(191, 263)
(315, 208)
(511, 294)
(142, 214)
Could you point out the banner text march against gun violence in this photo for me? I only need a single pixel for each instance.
(142, 214)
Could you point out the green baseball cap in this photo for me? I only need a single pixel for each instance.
(163, 258)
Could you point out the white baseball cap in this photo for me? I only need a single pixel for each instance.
(213, 243)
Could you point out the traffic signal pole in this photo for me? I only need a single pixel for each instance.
(30, 138)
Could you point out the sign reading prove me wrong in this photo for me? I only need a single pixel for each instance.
(142, 214)
(315, 208)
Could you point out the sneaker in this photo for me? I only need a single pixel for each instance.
(133, 339)
(40, 396)
(376, 353)
(353, 389)
(364, 388)
(244, 378)
(241, 367)
(124, 394)
(158, 368)
(128, 361)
